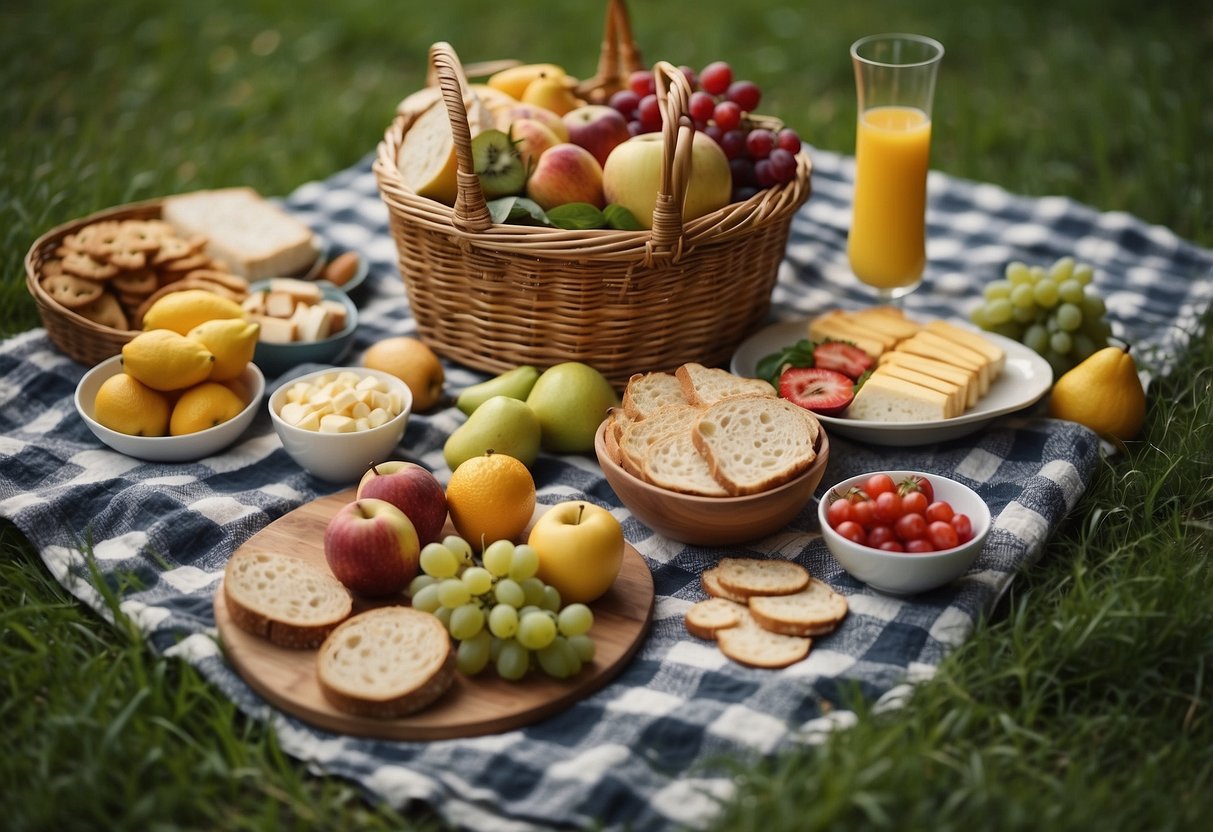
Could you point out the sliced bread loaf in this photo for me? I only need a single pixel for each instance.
(284, 599)
(673, 462)
(707, 385)
(638, 436)
(754, 443)
(646, 392)
(386, 662)
(814, 610)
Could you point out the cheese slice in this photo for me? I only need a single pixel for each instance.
(955, 393)
(838, 330)
(965, 379)
(973, 340)
(888, 399)
(887, 321)
(930, 345)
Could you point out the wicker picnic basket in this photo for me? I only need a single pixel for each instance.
(493, 296)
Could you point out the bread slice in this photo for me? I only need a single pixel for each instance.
(646, 392)
(883, 398)
(751, 644)
(973, 340)
(966, 379)
(253, 236)
(707, 385)
(814, 610)
(747, 577)
(706, 618)
(638, 436)
(386, 662)
(754, 443)
(955, 393)
(284, 599)
(710, 580)
(673, 462)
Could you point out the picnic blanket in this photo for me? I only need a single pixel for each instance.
(643, 751)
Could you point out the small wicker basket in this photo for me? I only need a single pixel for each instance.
(81, 339)
(493, 296)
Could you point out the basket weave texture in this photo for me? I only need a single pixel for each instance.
(493, 296)
(82, 340)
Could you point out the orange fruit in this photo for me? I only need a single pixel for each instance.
(490, 498)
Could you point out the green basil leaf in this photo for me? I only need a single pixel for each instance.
(577, 216)
(770, 367)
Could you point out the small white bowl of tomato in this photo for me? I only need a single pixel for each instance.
(903, 532)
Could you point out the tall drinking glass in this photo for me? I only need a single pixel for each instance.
(895, 87)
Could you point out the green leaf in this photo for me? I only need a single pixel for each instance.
(621, 218)
(577, 216)
(518, 210)
(770, 367)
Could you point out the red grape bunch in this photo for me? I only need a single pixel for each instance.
(721, 107)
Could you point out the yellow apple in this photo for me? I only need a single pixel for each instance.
(580, 547)
(632, 177)
(514, 80)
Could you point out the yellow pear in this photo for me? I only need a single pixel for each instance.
(1104, 393)
(513, 80)
(552, 93)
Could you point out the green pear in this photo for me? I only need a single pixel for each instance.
(570, 401)
(515, 383)
(502, 424)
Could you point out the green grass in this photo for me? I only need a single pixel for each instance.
(1085, 702)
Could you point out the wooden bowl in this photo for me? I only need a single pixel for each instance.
(712, 521)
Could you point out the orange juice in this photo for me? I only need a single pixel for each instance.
(887, 243)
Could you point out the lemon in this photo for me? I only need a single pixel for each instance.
(490, 498)
(231, 340)
(164, 360)
(204, 406)
(1104, 393)
(126, 405)
(182, 311)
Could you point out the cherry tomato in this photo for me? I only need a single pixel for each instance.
(839, 511)
(916, 483)
(910, 527)
(864, 512)
(915, 502)
(880, 534)
(963, 526)
(888, 506)
(939, 510)
(878, 484)
(892, 546)
(853, 532)
(942, 535)
(921, 546)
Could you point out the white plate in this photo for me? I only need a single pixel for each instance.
(1024, 381)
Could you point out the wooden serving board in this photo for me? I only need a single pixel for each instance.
(484, 704)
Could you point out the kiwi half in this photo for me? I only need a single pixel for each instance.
(497, 162)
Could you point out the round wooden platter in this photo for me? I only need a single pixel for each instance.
(473, 706)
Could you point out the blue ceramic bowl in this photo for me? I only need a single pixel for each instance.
(276, 359)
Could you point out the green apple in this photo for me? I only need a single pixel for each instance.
(515, 383)
(571, 400)
(503, 425)
(580, 547)
(631, 177)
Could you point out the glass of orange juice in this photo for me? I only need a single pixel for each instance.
(895, 87)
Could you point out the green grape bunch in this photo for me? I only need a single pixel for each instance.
(1056, 311)
(500, 612)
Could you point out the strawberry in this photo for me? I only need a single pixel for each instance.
(827, 392)
(843, 357)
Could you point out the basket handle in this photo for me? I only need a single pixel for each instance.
(618, 58)
(471, 209)
(677, 135)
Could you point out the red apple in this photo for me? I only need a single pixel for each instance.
(566, 173)
(598, 128)
(533, 138)
(372, 548)
(544, 116)
(412, 489)
(632, 177)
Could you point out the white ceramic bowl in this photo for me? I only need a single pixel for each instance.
(185, 448)
(276, 359)
(898, 573)
(341, 457)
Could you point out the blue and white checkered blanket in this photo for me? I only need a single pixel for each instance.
(640, 751)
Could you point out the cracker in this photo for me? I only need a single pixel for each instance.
(814, 610)
(226, 279)
(706, 618)
(142, 235)
(72, 292)
(52, 266)
(753, 646)
(754, 576)
(710, 579)
(185, 264)
(87, 266)
(105, 311)
(138, 282)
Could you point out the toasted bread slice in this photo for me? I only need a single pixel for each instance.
(814, 610)
(710, 580)
(386, 662)
(755, 646)
(706, 618)
(707, 385)
(746, 577)
(754, 443)
(646, 392)
(284, 599)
